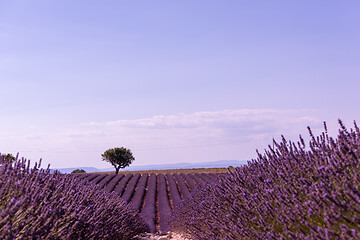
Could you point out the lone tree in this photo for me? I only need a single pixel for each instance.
(118, 157)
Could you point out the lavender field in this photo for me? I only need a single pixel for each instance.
(292, 191)
(36, 204)
(155, 196)
(295, 190)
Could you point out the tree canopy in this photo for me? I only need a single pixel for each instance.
(7, 158)
(78, 171)
(118, 157)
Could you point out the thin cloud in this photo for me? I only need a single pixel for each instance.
(200, 136)
(231, 127)
(243, 118)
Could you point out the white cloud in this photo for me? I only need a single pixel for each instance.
(200, 136)
(226, 118)
(208, 128)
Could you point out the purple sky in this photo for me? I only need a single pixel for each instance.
(175, 81)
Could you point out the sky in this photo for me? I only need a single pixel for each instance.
(174, 81)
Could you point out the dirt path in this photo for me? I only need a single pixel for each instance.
(164, 236)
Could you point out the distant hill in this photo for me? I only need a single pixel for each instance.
(216, 164)
(87, 169)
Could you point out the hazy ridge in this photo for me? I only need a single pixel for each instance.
(215, 164)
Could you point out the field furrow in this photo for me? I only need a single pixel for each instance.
(148, 212)
(154, 195)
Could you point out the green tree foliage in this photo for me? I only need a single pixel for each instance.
(118, 157)
(7, 158)
(79, 171)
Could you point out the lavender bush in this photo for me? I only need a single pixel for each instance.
(292, 191)
(36, 204)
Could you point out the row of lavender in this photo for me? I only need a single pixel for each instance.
(293, 191)
(36, 204)
(154, 196)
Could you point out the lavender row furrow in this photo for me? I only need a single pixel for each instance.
(196, 179)
(98, 178)
(130, 188)
(81, 175)
(112, 184)
(106, 180)
(203, 177)
(92, 177)
(184, 190)
(164, 204)
(138, 197)
(213, 176)
(154, 195)
(149, 210)
(189, 181)
(120, 187)
(174, 192)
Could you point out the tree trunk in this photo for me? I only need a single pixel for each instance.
(117, 170)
